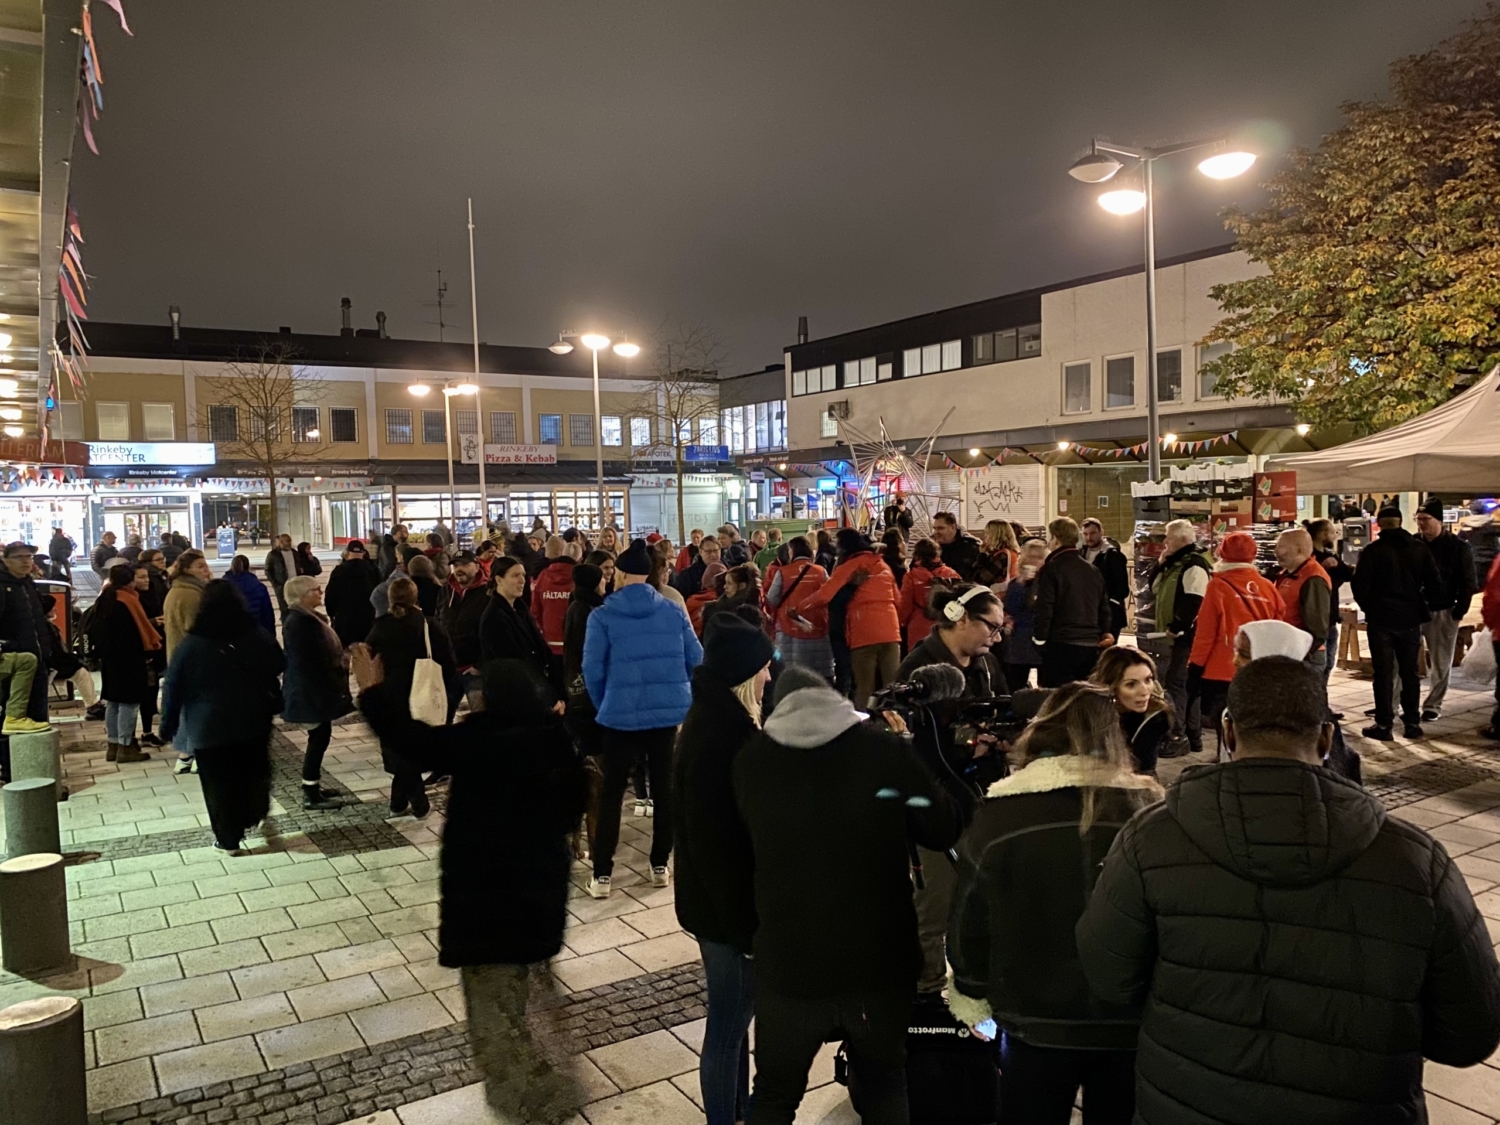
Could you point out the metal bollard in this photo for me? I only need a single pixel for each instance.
(42, 1064)
(34, 914)
(31, 817)
(37, 755)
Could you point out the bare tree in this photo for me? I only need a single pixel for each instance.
(262, 387)
(681, 392)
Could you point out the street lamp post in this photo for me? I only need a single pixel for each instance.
(1100, 165)
(595, 341)
(484, 493)
(449, 388)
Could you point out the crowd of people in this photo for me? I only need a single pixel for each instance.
(866, 806)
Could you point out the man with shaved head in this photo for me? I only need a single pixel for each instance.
(1306, 591)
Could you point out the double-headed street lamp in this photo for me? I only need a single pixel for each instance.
(595, 341)
(450, 388)
(1099, 166)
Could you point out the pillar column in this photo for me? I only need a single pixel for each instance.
(34, 914)
(42, 1063)
(31, 817)
(37, 755)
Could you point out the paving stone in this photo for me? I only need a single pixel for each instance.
(259, 924)
(185, 995)
(278, 976)
(408, 921)
(134, 974)
(289, 894)
(245, 1017)
(196, 935)
(644, 1060)
(397, 1018)
(596, 969)
(324, 911)
(397, 982)
(297, 943)
(122, 1084)
(112, 1008)
(208, 1064)
(145, 1037)
(303, 1042)
(592, 937)
(125, 924)
(342, 995)
(659, 1104)
(158, 896)
(222, 958)
(359, 959)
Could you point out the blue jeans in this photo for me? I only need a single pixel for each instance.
(119, 721)
(1332, 651)
(724, 1068)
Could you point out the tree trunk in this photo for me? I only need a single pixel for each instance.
(682, 535)
(275, 515)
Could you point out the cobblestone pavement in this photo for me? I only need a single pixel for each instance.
(300, 983)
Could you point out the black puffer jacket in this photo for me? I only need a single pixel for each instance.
(1024, 878)
(715, 861)
(347, 599)
(1298, 952)
(1396, 581)
(23, 624)
(1072, 606)
(539, 783)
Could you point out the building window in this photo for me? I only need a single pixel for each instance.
(305, 424)
(398, 427)
(1078, 388)
(830, 425)
(911, 362)
(814, 380)
(1119, 382)
(581, 429)
(830, 377)
(932, 358)
(466, 421)
(343, 424)
(708, 431)
(984, 348)
(1207, 383)
(610, 426)
(953, 355)
(732, 426)
(159, 422)
(883, 371)
(503, 427)
(1169, 376)
(1029, 341)
(851, 373)
(867, 371)
(70, 421)
(114, 421)
(799, 382)
(551, 429)
(778, 424)
(433, 430)
(263, 419)
(223, 423)
(640, 432)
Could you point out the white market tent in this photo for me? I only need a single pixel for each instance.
(1454, 448)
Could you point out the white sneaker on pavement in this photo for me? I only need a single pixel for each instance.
(661, 877)
(640, 808)
(599, 888)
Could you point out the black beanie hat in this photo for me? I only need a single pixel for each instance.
(851, 541)
(586, 578)
(636, 559)
(733, 649)
(1433, 507)
(1389, 512)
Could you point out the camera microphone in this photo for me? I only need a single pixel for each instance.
(938, 683)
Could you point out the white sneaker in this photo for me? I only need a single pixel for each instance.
(599, 888)
(650, 807)
(640, 808)
(186, 765)
(661, 877)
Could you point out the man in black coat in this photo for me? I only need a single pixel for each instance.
(898, 516)
(1455, 565)
(493, 938)
(1296, 964)
(1397, 584)
(961, 550)
(831, 804)
(23, 628)
(1106, 554)
(467, 599)
(347, 597)
(1072, 609)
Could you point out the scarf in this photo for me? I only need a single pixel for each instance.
(131, 600)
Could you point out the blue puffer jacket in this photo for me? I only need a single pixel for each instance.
(638, 659)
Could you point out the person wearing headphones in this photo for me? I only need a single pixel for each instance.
(968, 622)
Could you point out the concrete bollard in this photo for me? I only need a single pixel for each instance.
(42, 1063)
(31, 817)
(34, 914)
(38, 755)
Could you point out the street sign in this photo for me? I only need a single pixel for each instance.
(706, 453)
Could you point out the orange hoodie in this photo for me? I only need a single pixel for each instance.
(911, 607)
(1236, 594)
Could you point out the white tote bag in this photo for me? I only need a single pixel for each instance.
(1479, 663)
(429, 697)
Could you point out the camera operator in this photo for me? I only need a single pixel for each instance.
(969, 621)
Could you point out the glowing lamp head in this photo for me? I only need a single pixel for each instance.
(1169, 439)
(562, 347)
(973, 453)
(1065, 445)
(421, 390)
(1095, 168)
(1226, 165)
(5, 339)
(1123, 201)
(1303, 429)
(461, 389)
(628, 350)
(14, 431)
(11, 413)
(593, 341)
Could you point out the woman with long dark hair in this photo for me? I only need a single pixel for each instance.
(307, 562)
(1129, 675)
(1026, 869)
(222, 691)
(508, 630)
(124, 638)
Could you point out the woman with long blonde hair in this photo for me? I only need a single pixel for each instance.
(998, 555)
(1026, 869)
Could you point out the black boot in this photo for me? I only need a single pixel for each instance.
(315, 798)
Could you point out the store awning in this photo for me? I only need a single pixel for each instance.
(1455, 448)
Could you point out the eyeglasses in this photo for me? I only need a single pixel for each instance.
(995, 628)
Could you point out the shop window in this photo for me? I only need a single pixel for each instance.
(158, 421)
(1119, 382)
(708, 431)
(640, 432)
(223, 423)
(343, 423)
(305, 424)
(503, 427)
(466, 421)
(433, 430)
(1078, 389)
(551, 429)
(69, 425)
(610, 427)
(114, 421)
(581, 429)
(1169, 376)
(398, 427)
(1207, 383)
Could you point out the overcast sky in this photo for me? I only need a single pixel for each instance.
(731, 163)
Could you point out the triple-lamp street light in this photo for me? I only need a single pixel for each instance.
(450, 388)
(1100, 165)
(595, 342)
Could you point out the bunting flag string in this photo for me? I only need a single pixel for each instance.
(1169, 448)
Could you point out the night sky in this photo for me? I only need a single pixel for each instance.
(634, 162)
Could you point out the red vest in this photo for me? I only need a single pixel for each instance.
(1289, 586)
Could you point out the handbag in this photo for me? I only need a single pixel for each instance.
(428, 699)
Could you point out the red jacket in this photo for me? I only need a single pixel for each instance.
(872, 616)
(550, 594)
(911, 607)
(1489, 605)
(684, 559)
(1236, 594)
(806, 589)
